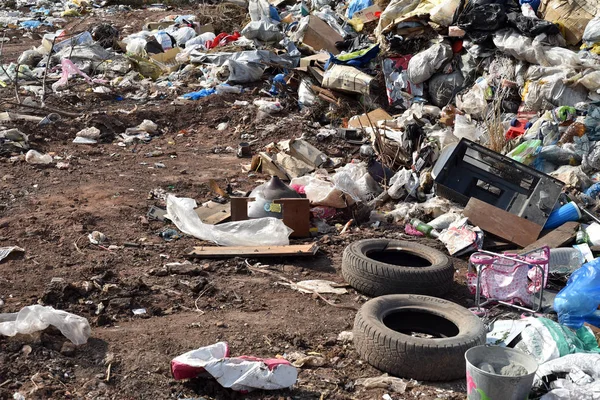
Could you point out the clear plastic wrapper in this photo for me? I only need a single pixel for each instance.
(36, 318)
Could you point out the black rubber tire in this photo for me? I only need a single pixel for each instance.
(375, 278)
(428, 359)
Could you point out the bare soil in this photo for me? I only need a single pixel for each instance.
(49, 212)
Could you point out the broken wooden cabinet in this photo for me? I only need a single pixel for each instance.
(295, 213)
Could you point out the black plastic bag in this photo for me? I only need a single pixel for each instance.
(105, 34)
(443, 87)
(488, 17)
(530, 26)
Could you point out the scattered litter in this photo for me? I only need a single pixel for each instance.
(242, 373)
(5, 251)
(36, 318)
(319, 286)
(97, 237)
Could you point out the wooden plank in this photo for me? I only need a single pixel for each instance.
(214, 213)
(556, 238)
(255, 251)
(502, 223)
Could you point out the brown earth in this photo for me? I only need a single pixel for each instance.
(49, 212)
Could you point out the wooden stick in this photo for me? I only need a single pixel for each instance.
(17, 83)
(46, 71)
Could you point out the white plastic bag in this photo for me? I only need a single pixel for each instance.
(183, 34)
(516, 45)
(464, 127)
(306, 96)
(398, 184)
(34, 157)
(254, 232)
(36, 318)
(270, 107)
(136, 46)
(354, 180)
(259, 10)
(321, 192)
(473, 102)
(424, 64)
(591, 34)
(199, 40)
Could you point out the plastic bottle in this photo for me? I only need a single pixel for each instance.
(425, 229)
(581, 237)
(575, 129)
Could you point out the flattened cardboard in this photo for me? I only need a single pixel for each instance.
(573, 15)
(362, 121)
(321, 36)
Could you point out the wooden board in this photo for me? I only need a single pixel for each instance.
(502, 223)
(556, 238)
(255, 251)
(214, 213)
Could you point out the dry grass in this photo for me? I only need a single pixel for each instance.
(224, 17)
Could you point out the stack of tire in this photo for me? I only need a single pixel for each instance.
(404, 330)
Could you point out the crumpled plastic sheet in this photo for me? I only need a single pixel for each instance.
(262, 30)
(238, 373)
(80, 53)
(355, 180)
(243, 66)
(35, 318)
(253, 232)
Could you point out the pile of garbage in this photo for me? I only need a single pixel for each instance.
(480, 120)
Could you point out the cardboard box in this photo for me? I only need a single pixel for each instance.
(321, 36)
(311, 60)
(573, 15)
(166, 61)
(347, 79)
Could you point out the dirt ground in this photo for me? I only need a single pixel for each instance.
(49, 212)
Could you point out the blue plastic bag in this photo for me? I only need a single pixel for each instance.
(578, 302)
(357, 5)
(31, 24)
(274, 14)
(199, 94)
(279, 78)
